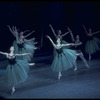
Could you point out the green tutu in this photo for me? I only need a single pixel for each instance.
(64, 61)
(92, 45)
(26, 47)
(16, 73)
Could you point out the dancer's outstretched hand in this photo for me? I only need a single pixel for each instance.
(72, 44)
(50, 25)
(68, 28)
(29, 54)
(47, 36)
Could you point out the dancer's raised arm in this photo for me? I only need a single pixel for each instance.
(53, 30)
(25, 31)
(65, 34)
(14, 31)
(41, 41)
(85, 29)
(95, 32)
(11, 30)
(29, 33)
(51, 41)
(32, 39)
(72, 37)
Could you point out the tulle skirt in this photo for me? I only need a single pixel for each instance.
(28, 47)
(92, 46)
(64, 61)
(16, 73)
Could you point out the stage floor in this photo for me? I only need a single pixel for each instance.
(43, 83)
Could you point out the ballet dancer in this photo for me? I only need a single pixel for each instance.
(77, 47)
(17, 70)
(23, 45)
(59, 35)
(92, 44)
(64, 59)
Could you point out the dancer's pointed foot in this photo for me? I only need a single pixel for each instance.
(77, 54)
(59, 76)
(75, 68)
(87, 66)
(89, 57)
(13, 90)
(31, 64)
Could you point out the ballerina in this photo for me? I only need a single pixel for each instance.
(64, 58)
(92, 44)
(77, 47)
(17, 70)
(59, 35)
(23, 45)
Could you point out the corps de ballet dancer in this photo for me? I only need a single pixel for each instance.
(23, 45)
(17, 70)
(59, 35)
(92, 44)
(64, 59)
(77, 47)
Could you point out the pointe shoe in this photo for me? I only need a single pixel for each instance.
(59, 76)
(89, 58)
(87, 66)
(77, 54)
(31, 64)
(75, 68)
(13, 90)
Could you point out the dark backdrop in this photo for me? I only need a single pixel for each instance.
(38, 15)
